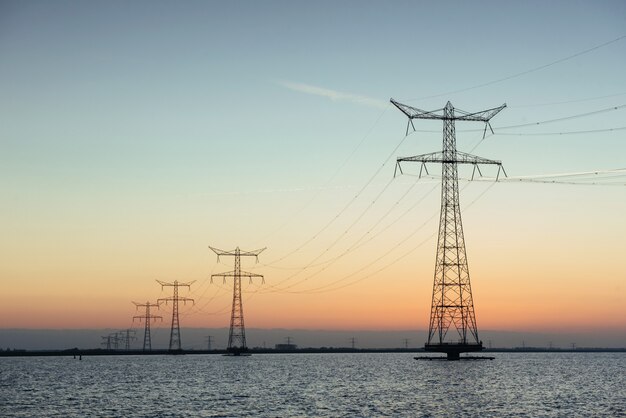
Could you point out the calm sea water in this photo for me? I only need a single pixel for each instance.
(333, 385)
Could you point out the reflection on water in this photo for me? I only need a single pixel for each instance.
(277, 385)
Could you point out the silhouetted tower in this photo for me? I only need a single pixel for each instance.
(112, 341)
(406, 343)
(175, 344)
(126, 337)
(106, 342)
(452, 306)
(147, 340)
(209, 339)
(352, 342)
(116, 338)
(237, 334)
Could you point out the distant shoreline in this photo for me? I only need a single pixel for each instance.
(102, 352)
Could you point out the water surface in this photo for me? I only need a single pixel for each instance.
(321, 385)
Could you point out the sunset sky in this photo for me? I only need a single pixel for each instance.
(133, 135)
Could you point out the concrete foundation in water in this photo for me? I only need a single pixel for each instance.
(453, 350)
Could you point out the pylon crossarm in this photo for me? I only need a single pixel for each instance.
(251, 276)
(223, 275)
(254, 253)
(438, 157)
(415, 113)
(146, 305)
(233, 274)
(482, 116)
(176, 284)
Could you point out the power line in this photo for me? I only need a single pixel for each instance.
(573, 174)
(544, 122)
(591, 131)
(585, 178)
(573, 183)
(336, 173)
(541, 67)
(580, 115)
(327, 288)
(321, 263)
(342, 211)
(312, 262)
(337, 216)
(359, 243)
(588, 99)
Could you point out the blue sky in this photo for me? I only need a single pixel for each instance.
(136, 132)
(123, 80)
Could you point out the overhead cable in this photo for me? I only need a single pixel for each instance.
(532, 70)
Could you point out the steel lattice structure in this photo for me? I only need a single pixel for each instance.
(147, 340)
(452, 305)
(175, 343)
(237, 333)
(127, 337)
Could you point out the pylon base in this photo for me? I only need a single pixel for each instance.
(453, 350)
(460, 358)
(237, 351)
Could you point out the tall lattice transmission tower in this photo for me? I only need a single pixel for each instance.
(237, 334)
(148, 317)
(452, 328)
(175, 344)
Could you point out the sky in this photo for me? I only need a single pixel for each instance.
(133, 135)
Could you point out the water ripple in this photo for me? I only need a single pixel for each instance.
(320, 385)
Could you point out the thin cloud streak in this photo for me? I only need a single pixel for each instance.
(333, 95)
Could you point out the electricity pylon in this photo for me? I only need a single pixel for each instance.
(147, 340)
(127, 337)
(112, 341)
(452, 304)
(237, 334)
(175, 344)
(106, 342)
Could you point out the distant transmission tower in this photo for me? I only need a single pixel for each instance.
(127, 337)
(452, 304)
(237, 334)
(175, 344)
(106, 342)
(112, 341)
(117, 338)
(147, 340)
